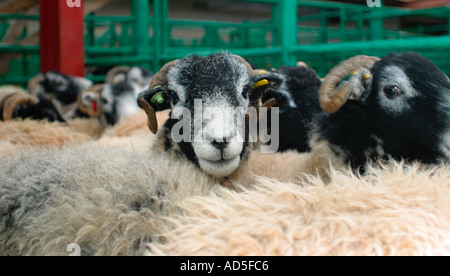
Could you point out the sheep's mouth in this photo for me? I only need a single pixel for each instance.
(221, 167)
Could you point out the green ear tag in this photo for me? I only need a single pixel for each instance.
(158, 98)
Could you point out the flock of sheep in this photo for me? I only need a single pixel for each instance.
(361, 168)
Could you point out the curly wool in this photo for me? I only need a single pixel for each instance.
(395, 209)
(21, 135)
(108, 200)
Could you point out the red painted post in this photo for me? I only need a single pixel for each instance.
(61, 36)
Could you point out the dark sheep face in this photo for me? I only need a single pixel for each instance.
(64, 88)
(409, 107)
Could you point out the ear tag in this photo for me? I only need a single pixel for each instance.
(261, 83)
(158, 98)
(365, 77)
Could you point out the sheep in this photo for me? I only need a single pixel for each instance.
(118, 96)
(106, 199)
(110, 200)
(58, 95)
(298, 103)
(114, 201)
(51, 96)
(63, 88)
(20, 135)
(112, 102)
(10, 98)
(135, 74)
(395, 209)
(202, 90)
(397, 107)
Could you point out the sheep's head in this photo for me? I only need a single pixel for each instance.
(118, 95)
(209, 98)
(407, 100)
(63, 88)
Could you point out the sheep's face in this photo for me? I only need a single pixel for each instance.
(410, 101)
(64, 88)
(209, 97)
(118, 100)
(398, 107)
(214, 91)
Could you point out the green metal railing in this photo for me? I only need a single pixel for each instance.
(327, 34)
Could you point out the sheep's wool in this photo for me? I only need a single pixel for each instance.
(116, 201)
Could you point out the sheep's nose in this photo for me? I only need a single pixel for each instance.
(219, 144)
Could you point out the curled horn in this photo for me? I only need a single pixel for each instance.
(114, 71)
(249, 67)
(158, 79)
(12, 102)
(34, 83)
(330, 99)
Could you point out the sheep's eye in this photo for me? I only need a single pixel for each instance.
(392, 92)
(245, 91)
(104, 101)
(174, 95)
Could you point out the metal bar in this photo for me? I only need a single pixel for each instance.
(332, 5)
(376, 45)
(141, 10)
(118, 60)
(157, 35)
(173, 53)
(103, 18)
(287, 22)
(19, 16)
(24, 49)
(100, 50)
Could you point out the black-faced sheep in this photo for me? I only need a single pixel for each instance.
(10, 98)
(209, 97)
(51, 96)
(58, 95)
(63, 88)
(298, 103)
(395, 107)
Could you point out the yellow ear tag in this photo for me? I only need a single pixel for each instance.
(261, 83)
(367, 76)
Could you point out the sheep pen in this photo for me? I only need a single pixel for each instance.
(115, 200)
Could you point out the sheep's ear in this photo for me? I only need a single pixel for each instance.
(263, 82)
(360, 84)
(151, 101)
